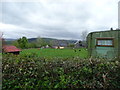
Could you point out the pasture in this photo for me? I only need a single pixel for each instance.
(56, 53)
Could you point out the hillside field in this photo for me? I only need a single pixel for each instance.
(59, 53)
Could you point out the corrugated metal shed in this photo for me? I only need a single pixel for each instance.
(7, 48)
(104, 44)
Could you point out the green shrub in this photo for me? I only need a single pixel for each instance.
(31, 71)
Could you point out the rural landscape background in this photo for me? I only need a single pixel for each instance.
(44, 45)
(49, 67)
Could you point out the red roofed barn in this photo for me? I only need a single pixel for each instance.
(11, 49)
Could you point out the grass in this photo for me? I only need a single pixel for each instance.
(59, 53)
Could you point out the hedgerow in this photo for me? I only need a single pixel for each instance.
(35, 72)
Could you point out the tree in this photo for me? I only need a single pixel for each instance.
(54, 42)
(111, 28)
(41, 42)
(1, 34)
(84, 35)
(16, 43)
(31, 45)
(1, 40)
(71, 45)
(22, 42)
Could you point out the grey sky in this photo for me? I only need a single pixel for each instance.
(61, 19)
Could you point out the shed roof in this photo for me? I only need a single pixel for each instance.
(104, 31)
(10, 49)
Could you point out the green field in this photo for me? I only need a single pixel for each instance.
(59, 53)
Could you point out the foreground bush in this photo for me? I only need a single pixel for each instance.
(35, 72)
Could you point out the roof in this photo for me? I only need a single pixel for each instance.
(10, 49)
(105, 31)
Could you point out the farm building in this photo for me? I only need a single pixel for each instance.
(58, 47)
(104, 44)
(11, 49)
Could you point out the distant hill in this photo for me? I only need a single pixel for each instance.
(8, 39)
(61, 42)
(46, 39)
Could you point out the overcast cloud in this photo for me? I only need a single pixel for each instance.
(60, 19)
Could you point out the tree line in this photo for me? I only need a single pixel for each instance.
(24, 43)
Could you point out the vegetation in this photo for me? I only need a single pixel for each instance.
(58, 53)
(39, 42)
(71, 45)
(21, 43)
(31, 70)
